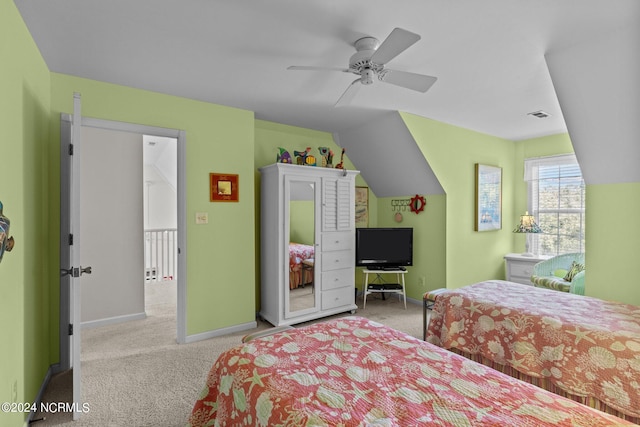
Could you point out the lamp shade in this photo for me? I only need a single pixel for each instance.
(527, 224)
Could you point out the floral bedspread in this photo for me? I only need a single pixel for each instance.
(585, 346)
(298, 253)
(356, 372)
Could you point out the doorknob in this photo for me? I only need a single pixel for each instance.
(74, 271)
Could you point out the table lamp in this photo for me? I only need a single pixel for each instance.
(527, 225)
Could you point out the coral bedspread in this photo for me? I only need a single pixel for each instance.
(355, 372)
(585, 346)
(298, 253)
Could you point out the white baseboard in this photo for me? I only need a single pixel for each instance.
(113, 320)
(219, 332)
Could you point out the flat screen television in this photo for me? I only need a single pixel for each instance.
(384, 248)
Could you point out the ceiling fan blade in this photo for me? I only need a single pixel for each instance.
(312, 68)
(348, 94)
(397, 42)
(419, 82)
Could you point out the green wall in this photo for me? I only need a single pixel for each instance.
(219, 139)
(24, 289)
(452, 153)
(429, 242)
(301, 222)
(612, 238)
(269, 136)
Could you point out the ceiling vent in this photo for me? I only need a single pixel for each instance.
(539, 114)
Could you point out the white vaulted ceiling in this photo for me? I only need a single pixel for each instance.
(495, 60)
(488, 55)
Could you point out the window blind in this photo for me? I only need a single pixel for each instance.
(557, 200)
(565, 166)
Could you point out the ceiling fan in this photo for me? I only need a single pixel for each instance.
(369, 61)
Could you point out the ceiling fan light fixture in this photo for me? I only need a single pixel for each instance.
(367, 76)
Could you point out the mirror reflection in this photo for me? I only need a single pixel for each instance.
(301, 246)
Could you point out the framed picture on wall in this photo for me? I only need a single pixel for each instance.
(223, 187)
(362, 207)
(488, 198)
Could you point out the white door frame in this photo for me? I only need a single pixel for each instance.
(180, 135)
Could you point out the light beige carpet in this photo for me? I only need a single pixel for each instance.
(134, 374)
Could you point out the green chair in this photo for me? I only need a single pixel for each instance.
(563, 273)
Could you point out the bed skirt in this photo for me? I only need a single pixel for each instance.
(547, 385)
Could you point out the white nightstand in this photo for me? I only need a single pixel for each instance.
(519, 267)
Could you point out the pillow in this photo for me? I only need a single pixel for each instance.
(560, 272)
(573, 270)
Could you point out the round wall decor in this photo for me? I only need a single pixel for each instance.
(417, 204)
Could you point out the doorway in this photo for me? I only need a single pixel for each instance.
(160, 225)
(180, 137)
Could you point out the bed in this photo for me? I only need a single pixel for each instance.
(355, 372)
(297, 254)
(583, 348)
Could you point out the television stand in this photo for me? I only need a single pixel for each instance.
(378, 285)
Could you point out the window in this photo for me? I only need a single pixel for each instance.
(557, 200)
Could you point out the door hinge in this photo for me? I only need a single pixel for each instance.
(71, 149)
(70, 239)
(70, 328)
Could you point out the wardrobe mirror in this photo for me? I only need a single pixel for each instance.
(302, 244)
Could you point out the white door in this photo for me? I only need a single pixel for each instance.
(71, 270)
(78, 270)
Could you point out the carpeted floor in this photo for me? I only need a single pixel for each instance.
(134, 374)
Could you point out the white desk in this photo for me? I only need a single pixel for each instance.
(380, 286)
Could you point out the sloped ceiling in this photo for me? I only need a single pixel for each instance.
(159, 156)
(488, 56)
(598, 85)
(388, 158)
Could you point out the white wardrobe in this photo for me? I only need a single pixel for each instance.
(312, 210)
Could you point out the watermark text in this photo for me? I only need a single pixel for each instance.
(49, 407)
